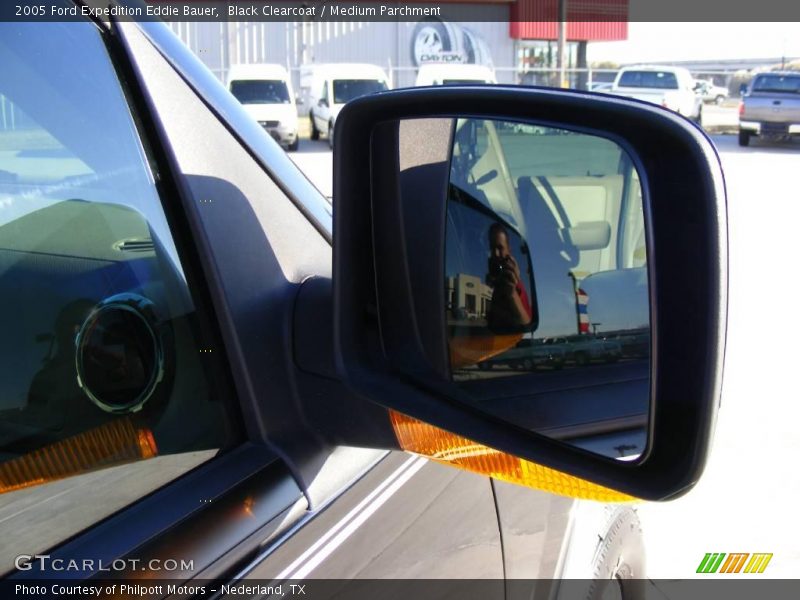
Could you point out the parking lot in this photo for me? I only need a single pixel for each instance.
(746, 501)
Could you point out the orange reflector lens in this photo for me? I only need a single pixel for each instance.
(114, 443)
(470, 350)
(444, 447)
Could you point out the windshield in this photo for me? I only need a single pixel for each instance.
(345, 90)
(649, 79)
(261, 91)
(777, 83)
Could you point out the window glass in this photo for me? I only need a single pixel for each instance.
(777, 83)
(260, 92)
(570, 207)
(103, 359)
(345, 90)
(649, 79)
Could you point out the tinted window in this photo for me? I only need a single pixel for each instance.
(460, 81)
(345, 90)
(777, 83)
(103, 359)
(260, 92)
(649, 79)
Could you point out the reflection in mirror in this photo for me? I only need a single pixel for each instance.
(546, 282)
(490, 303)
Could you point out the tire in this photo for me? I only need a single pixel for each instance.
(294, 145)
(620, 558)
(527, 364)
(485, 366)
(582, 359)
(719, 100)
(430, 35)
(314, 130)
(330, 134)
(744, 138)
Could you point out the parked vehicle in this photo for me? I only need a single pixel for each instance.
(770, 107)
(266, 93)
(528, 355)
(670, 87)
(709, 92)
(334, 85)
(585, 349)
(204, 368)
(453, 74)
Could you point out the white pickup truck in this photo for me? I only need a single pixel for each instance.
(670, 87)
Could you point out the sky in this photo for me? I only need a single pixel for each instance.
(700, 41)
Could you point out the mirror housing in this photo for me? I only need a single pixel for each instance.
(388, 260)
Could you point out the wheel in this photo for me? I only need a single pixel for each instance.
(294, 145)
(314, 130)
(719, 99)
(330, 134)
(527, 364)
(620, 559)
(744, 138)
(485, 366)
(430, 37)
(582, 359)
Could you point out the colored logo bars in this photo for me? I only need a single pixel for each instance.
(718, 563)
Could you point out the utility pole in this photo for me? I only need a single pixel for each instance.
(562, 43)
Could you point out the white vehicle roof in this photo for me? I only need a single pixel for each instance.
(664, 68)
(434, 72)
(348, 71)
(257, 71)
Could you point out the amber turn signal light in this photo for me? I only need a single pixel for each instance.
(444, 447)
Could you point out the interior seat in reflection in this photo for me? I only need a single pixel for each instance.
(552, 260)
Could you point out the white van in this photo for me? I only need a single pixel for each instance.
(266, 93)
(453, 74)
(332, 86)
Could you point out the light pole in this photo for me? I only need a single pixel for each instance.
(562, 43)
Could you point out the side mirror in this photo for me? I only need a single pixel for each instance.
(298, 99)
(526, 284)
(742, 89)
(322, 102)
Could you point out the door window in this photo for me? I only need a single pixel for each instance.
(103, 359)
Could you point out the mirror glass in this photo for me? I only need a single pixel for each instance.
(546, 282)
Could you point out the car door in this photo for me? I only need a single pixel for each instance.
(323, 109)
(149, 393)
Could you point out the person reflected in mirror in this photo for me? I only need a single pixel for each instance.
(510, 308)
